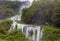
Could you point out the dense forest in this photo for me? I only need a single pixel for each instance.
(44, 13)
(10, 8)
(7, 10)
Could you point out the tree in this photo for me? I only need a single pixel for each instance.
(41, 12)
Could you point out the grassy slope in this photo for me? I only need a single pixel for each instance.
(14, 35)
(5, 24)
(51, 33)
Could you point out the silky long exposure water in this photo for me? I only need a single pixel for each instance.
(32, 32)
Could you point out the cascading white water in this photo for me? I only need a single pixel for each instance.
(36, 30)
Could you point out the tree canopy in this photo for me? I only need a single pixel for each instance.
(41, 12)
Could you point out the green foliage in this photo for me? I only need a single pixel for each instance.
(8, 9)
(51, 33)
(2, 31)
(31, 32)
(14, 35)
(5, 24)
(2, 40)
(41, 12)
(20, 22)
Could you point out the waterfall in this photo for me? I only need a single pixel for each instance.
(37, 32)
(32, 32)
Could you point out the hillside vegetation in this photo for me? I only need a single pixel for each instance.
(51, 33)
(42, 12)
(9, 9)
(45, 13)
(12, 35)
